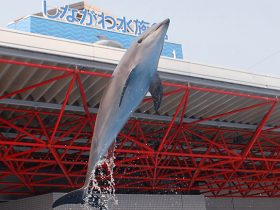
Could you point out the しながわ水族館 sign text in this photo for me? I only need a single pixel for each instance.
(97, 19)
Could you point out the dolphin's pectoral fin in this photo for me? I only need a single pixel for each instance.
(126, 84)
(156, 91)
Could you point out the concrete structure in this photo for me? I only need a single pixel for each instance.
(153, 202)
(243, 204)
(125, 202)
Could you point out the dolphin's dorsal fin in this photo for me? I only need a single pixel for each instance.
(102, 37)
(126, 84)
(156, 91)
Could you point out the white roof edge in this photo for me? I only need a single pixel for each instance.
(75, 49)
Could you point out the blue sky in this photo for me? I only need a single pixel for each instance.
(237, 34)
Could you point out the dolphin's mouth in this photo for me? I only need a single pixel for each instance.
(164, 23)
(159, 26)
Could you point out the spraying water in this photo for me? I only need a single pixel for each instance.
(101, 190)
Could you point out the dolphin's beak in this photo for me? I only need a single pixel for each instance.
(164, 25)
(165, 22)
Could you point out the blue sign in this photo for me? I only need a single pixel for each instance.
(96, 19)
(77, 32)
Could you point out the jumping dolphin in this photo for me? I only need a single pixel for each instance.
(135, 75)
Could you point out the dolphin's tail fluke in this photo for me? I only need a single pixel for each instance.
(74, 197)
(79, 197)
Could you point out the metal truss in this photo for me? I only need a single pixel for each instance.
(45, 150)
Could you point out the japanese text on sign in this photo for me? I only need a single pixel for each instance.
(97, 19)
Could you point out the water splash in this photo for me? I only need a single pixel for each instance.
(101, 190)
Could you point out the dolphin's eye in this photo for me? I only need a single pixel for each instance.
(140, 40)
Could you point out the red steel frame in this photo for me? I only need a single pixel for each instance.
(174, 157)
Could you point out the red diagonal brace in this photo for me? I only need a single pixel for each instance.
(202, 161)
(83, 95)
(183, 104)
(21, 130)
(62, 167)
(11, 167)
(62, 108)
(249, 146)
(34, 86)
(184, 98)
(257, 132)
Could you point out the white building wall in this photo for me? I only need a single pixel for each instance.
(125, 202)
(42, 202)
(152, 202)
(243, 204)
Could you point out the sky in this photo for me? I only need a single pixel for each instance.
(235, 34)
